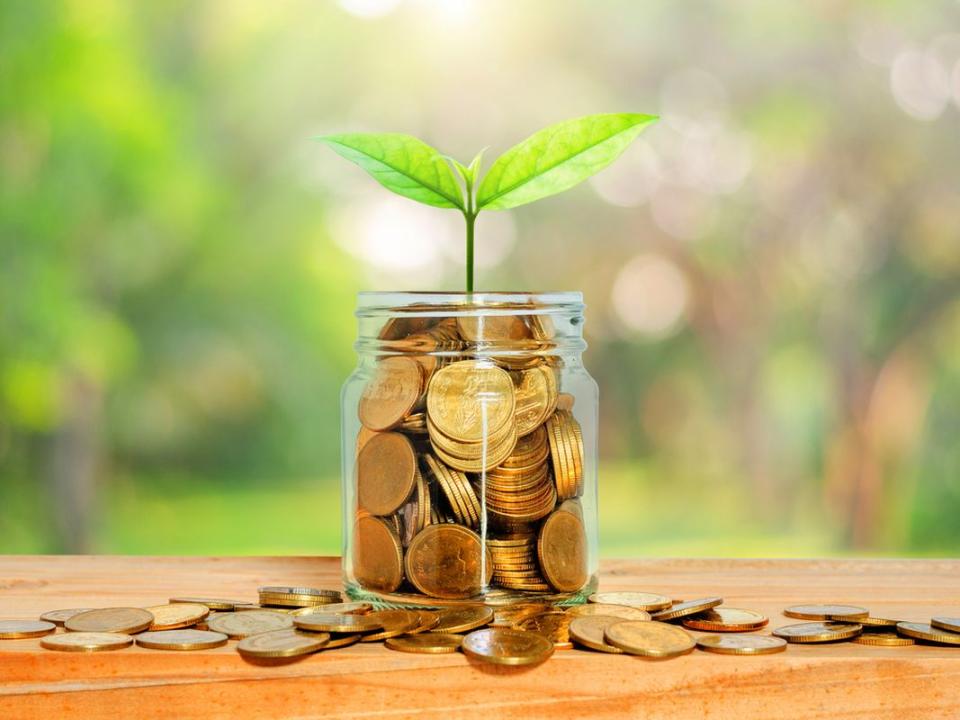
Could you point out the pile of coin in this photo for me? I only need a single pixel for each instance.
(303, 621)
(463, 423)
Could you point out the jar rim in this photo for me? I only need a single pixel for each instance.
(408, 300)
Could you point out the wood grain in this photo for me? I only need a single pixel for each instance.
(835, 681)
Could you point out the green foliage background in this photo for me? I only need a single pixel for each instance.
(176, 294)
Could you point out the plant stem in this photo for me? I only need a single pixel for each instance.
(471, 218)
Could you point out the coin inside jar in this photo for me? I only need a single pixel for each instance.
(446, 561)
(377, 554)
(391, 393)
(562, 551)
(470, 400)
(386, 473)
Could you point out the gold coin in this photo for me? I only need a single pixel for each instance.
(241, 625)
(818, 632)
(493, 455)
(183, 639)
(429, 643)
(649, 638)
(839, 613)
(873, 622)
(339, 641)
(284, 643)
(651, 602)
(624, 612)
(212, 603)
(470, 399)
(326, 622)
(587, 630)
(742, 644)
(393, 622)
(505, 646)
(929, 633)
(344, 608)
(176, 615)
(17, 629)
(462, 619)
(391, 393)
(553, 625)
(446, 561)
(535, 398)
(87, 641)
(378, 554)
(428, 621)
(950, 624)
(386, 473)
(726, 619)
(884, 638)
(689, 607)
(106, 620)
(510, 615)
(562, 550)
(58, 617)
(315, 594)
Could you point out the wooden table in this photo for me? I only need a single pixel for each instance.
(370, 681)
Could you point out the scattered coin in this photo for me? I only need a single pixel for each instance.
(343, 608)
(107, 620)
(686, 608)
(327, 622)
(428, 621)
(462, 619)
(649, 639)
(510, 615)
(872, 622)
(244, 624)
(950, 624)
(284, 643)
(587, 630)
(297, 596)
(505, 646)
(624, 612)
(839, 613)
(818, 632)
(651, 602)
(58, 617)
(742, 644)
(726, 619)
(212, 603)
(928, 633)
(394, 622)
(17, 629)
(181, 639)
(177, 615)
(342, 640)
(429, 643)
(555, 626)
(87, 641)
(883, 638)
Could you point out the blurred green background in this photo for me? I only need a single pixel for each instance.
(772, 273)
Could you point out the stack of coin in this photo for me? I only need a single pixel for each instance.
(456, 488)
(297, 597)
(566, 450)
(521, 490)
(515, 564)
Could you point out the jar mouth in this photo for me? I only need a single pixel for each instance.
(429, 303)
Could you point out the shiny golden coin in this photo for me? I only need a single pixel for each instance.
(212, 603)
(314, 594)
(378, 554)
(326, 622)
(562, 551)
(873, 622)
(176, 615)
(241, 625)
(428, 621)
(726, 619)
(115, 620)
(284, 643)
(386, 473)
(17, 629)
(462, 619)
(950, 624)
(505, 646)
(394, 622)
(183, 639)
(554, 625)
(818, 632)
(536, 398)
(391, 393)
(587, 630)
(87, 641)
(428, 643)
(684, 609)
(470, 399)
(742, 644)
(344, 608)
(446, 561)
(339, 641)
(649, 639)
(929, 633)
(510, 615)
(884, 639)
(59, 617)
(839, 613)
(624, 612)
(651, 602)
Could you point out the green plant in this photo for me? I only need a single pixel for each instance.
(546, 163)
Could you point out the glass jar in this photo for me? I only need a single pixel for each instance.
(469, 432)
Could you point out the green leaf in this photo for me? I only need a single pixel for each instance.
(403, 164)
(557, 158)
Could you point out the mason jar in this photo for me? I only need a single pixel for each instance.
(469, 458)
